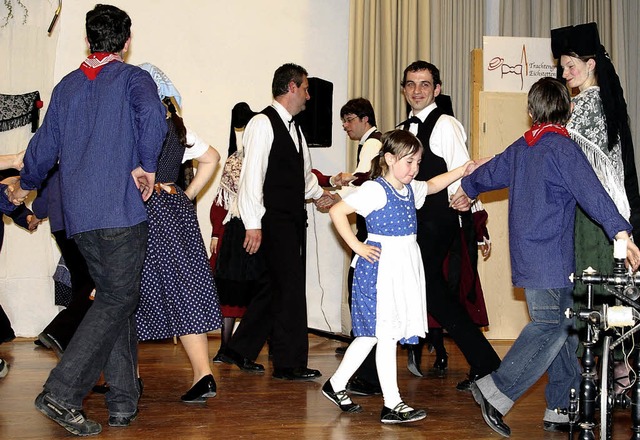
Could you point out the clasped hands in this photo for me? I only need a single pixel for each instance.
(342, 179)
(14, 192)
(326, 201)
(460, 201)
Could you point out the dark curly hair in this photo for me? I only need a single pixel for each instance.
(108, 29)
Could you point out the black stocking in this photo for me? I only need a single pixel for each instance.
(436, 336)
(226, 331)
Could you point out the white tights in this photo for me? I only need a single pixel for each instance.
(385, 364)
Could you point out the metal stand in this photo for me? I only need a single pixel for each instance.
(588, 389)
(625, 290)
(635, 399)
(573, 412)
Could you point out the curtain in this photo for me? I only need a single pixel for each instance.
(626, 41)
(27, 259)
(384, 37)
(387, 35)
(456, 29)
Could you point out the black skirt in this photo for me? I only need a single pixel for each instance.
(234, 263)
(236, 271)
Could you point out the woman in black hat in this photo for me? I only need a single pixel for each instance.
(600, 125)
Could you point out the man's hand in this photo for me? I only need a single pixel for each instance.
(460, 201)
(485, 247)
(252, 240)
(33, 222)
(144, 182)
(343, 179)
(326, 201)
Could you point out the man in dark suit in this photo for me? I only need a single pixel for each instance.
(275, 181)
(444, 140)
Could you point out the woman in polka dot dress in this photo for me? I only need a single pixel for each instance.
(388, 304)
(177, 294)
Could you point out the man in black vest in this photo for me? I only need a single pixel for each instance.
(275, 181)
(444, 140)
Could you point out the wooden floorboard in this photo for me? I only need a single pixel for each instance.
(258, 407)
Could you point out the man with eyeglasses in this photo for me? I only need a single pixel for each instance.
(443, 138)
(359, 122)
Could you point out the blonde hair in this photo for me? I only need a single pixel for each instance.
(400, 143)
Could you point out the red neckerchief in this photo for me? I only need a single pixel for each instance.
(96, 61)
(532, 136)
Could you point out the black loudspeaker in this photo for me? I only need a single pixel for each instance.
(316, 119)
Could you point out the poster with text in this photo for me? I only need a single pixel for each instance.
(513, 64)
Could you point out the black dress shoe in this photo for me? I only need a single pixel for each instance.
(401, 414)
(122, 421)
(51, 342)
(245, 364)
(440, 366)
(301, 373)
(222, 358)
(491, 416)
(205, 387)
(7, 337)
(465, 385)
(413, 362)
(340, 398)
(361, 387)
(340, 351)
(556, 426)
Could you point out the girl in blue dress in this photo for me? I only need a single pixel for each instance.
(388, 304)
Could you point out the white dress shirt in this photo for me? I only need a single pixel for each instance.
(370, 149)
(257, 140)
(447, 141)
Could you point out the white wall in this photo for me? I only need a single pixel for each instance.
(217, 53)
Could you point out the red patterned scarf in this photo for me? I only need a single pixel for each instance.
(96, 61)
(537, 130)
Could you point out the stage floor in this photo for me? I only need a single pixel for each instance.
(258, 407)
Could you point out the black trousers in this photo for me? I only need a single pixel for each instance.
(6, 331)
(435, 239)
(65, 323)
(278, 310)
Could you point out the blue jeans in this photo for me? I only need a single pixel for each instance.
(106, 339)
(548, 343)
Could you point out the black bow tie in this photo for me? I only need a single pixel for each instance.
(412, 120)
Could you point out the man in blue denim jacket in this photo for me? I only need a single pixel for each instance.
(104, 126)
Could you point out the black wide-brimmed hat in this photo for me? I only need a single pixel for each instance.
(582, 39)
